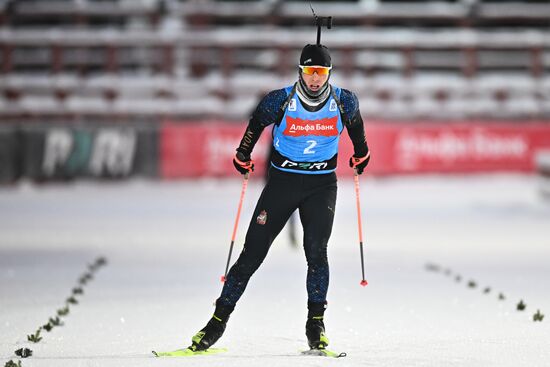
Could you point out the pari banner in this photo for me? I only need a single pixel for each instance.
(207, 149)
(64, 152)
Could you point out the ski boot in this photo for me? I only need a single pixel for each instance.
(315, 333)
(213, 330)
(315, 327)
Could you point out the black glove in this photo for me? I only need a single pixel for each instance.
(243, 163)
(359, 163)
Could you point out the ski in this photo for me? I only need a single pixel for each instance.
(323, 353)
(189, 352)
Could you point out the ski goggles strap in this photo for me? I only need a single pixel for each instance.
(320, 70)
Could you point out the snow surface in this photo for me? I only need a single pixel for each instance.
(167, 243)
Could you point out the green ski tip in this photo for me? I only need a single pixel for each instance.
(188, 352)
(323, 353)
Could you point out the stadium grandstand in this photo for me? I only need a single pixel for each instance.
(201, 59)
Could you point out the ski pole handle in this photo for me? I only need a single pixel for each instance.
(243, 191)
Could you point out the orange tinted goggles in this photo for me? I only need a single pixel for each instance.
(320, 70)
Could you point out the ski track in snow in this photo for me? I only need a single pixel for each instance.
(167, 244)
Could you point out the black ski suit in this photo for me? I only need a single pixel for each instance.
(314, 195)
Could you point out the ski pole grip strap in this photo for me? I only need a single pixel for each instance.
(358, 160)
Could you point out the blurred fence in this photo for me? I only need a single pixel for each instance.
(199, 149)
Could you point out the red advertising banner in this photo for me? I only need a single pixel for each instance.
(207, 149)
(456, 148)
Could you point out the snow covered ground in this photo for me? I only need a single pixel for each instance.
(167, 242)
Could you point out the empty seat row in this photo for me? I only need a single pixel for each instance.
(240, 109)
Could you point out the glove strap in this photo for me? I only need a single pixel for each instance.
(244, 164)
(358, 160)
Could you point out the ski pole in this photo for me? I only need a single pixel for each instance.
(359, 221)
(243, 190)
